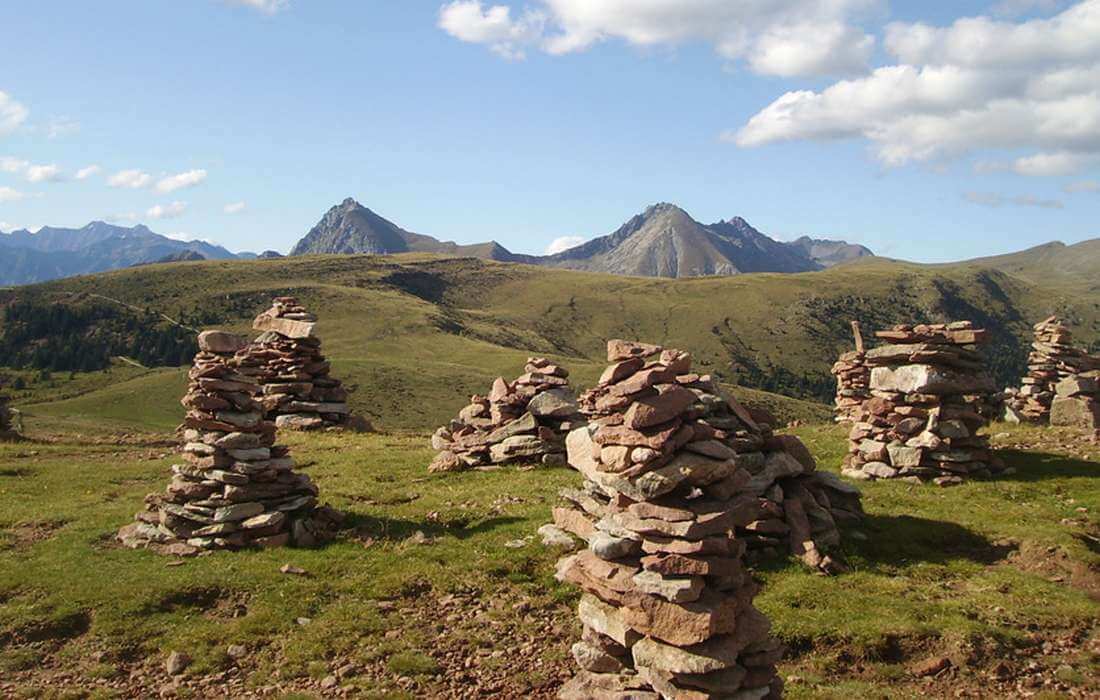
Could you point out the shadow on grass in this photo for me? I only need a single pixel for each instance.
(398, 529)
(1038, 466)
(895, 540)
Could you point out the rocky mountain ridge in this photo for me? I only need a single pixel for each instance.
(662, 241)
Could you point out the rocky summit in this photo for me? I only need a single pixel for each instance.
(286, 360)
(520, 421)
(234, 486)
(1053, 359)
(662, 241)
(930, 395)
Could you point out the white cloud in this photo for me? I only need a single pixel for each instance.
(44, 173)
(7, 194)
(13, 165)
(130, 179)
(59, 127)
(234, 208)
(173, 210)
(90, 171)
(780, 37)
(1082, 186)
(468, 21)
(977, 84)
(993, 199)
(179, 181)
(269, 7)
(12, 113)
(129, 217)
(564, 243)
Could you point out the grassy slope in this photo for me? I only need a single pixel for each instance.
(418, 334)
(942, 571)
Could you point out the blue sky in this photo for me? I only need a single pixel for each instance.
(877, 122)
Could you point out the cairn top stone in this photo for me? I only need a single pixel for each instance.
(221, 342)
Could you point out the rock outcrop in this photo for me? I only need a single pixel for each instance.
(525, 420)
(234, 486)
(1053, 359)
(298, 392)
(930, 395)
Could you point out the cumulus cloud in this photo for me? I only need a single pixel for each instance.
(268, 7)
(30, 171)
(173, 210)
(7, 194)
(977, 84)
(13, 165)
(993, 199)
(780, 37)
(234, 207)
(179, 181)
(44, 173)
(12, 113)
(130, 179)
(564, 243)
(494, 26)
(90, 171)
(1082, 186)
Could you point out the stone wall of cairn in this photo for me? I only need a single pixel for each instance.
(787, 507)
(1077, 402)
(1053, 359)
(667, 608)
(521, 421)
(930, 394)
(286, 359)
(853, 380)
(234, 486)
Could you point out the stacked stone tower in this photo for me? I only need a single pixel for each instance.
(1053, 359)
(853, 379)
(930, 393)
(667, 607)
(520, 421)
(234, 487)
(286, 359)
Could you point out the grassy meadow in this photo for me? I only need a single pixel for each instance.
(437, 585)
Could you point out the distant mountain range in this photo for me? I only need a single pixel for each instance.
(662, 241)
(51, 253)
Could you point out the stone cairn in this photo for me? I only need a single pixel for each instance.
(1053, 359)
(235, 487)
(667, 606)
(930, 394)
(1077, 402)
(521, 421)
(853, 380)
(787, 508)
(286, 359)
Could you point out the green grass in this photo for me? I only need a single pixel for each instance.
(416, 334)
(972, 571)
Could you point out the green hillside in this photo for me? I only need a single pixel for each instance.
(417, 334)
